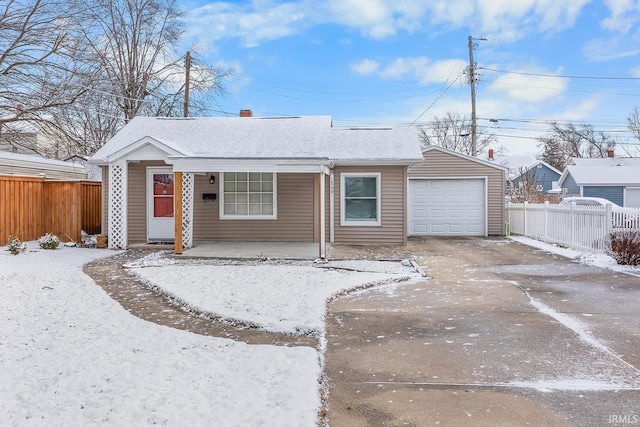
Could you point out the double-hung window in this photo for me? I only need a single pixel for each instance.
(248, 195)
(360, 199)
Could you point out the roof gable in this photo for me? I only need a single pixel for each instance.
(463, 156)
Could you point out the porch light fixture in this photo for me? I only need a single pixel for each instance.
(212, 180)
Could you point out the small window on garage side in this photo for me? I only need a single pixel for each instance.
(360, 199)
(248, 195)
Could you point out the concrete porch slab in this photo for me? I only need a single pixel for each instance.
(255, 250)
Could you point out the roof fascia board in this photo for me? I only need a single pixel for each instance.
(196, 165)
(127, 150)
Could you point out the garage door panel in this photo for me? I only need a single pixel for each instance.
(447, 207)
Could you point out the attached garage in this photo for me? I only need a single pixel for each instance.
(450, 194)
(447, 207)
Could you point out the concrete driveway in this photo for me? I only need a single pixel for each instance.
(498, 334)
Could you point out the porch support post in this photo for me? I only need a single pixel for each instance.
(117, 214)
(332, 207)
(322, 213)
(177, 210)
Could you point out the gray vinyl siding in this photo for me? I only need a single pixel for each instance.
(393, 207)
(105, 200)
(444, 165)
(542, 175)
(571, 186)
(613, 194)
(295, 219)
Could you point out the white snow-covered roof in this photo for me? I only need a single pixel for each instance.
(263, 138)
(605, 172)
(33, 165)
(606, 161)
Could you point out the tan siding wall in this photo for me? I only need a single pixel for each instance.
(295, 222)
(393, 228)
(105, 200)
(137, 201)
(439, 164)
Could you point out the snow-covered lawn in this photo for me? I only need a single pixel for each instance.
(69, 355)
(289, 298)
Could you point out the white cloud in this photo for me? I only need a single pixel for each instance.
(504, 20)
(365, 67)
(624, 15)
(377, 18)
(421, 68)
(530, 88)
(253, 23)
(606, 49)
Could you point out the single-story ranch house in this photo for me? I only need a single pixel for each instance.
(253, 179)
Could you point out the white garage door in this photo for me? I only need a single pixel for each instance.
(447, 207)
(632, 197)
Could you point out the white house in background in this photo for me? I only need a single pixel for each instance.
(27, 136)
(260, 179)
(522, 167)
(613, 178)
(35, 165)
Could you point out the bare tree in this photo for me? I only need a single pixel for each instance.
(453, 133)
(566, 141)
(526, 187)
(135, 43)
(41, 65)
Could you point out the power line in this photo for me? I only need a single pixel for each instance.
(559, 76)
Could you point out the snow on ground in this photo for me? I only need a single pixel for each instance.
(600, 260)
(72, 356)
(276, 297)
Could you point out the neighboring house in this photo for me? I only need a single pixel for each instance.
(524, 169)
(453, 194)
(613, 178)
(256, 179)
(34, 165)
(28, 136)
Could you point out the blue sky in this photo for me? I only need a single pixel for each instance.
(402, 62)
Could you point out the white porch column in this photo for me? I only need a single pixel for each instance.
(323, 238)
(118, 182)
(187, 209)
(332, 208)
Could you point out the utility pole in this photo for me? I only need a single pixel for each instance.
(472, 81)
(186, 83)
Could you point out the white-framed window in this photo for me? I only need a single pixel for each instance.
(360, 199)
(248, 195)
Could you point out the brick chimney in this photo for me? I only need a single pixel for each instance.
(490, 155)
(246, 113)
(610, 152)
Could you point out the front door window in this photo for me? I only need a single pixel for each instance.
(163, 195)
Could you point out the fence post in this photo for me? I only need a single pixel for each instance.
(572, 243)
(546, 220)
(609, 223)
(524, 211)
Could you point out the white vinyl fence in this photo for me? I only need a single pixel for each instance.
(576, 227)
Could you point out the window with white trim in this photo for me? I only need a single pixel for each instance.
(248, 195)
(360, 199)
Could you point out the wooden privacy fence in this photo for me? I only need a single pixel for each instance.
(577, 227)
(32, 206)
